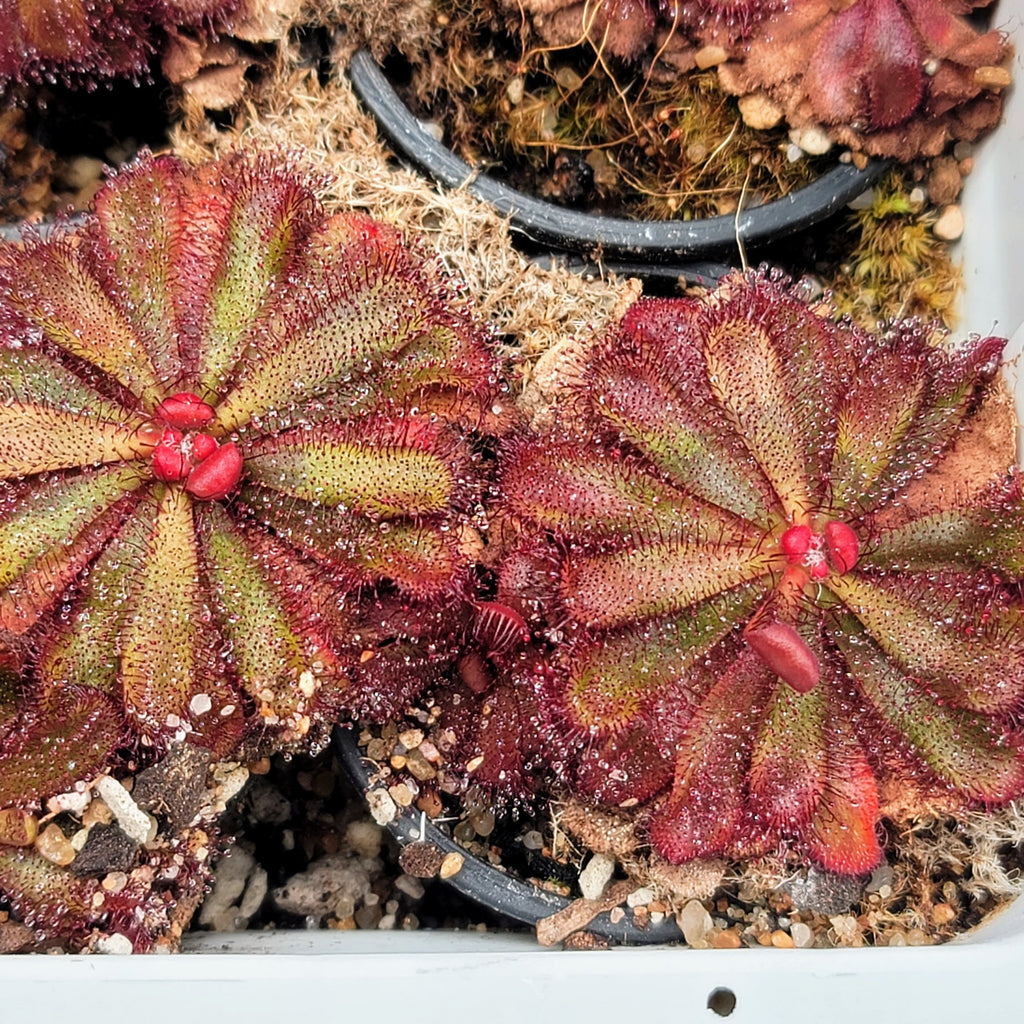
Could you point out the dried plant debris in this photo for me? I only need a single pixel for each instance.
(572, 127)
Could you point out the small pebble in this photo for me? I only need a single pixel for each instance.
(116, 945)
(782, 940)
(942, 914)
(803, 935)
(728, 939)
(812, 140)
(412, 887)
(991, 77)
(73, 802)
(376, 750)
(17, 827)
(710, 56)
(419, 767)
(429, 801)
(514, 90)
(533, 840)
(97, 813)
(401, 794)
(881, 877)
(451, 865)
(411, 738)
(759, 112)
(640, 897)
(52, 844)
(368, 918)
(950, 225)
(864, 201)
(616, 914)
(115, 881)
(483, 822)
(596, 875)
(695, 923)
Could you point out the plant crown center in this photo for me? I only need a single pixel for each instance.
(184, 454)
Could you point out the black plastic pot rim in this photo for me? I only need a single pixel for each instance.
(485, 884)
(614, 237)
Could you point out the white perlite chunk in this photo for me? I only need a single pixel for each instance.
(134, 821)
(335, 884)
(640, 897)
(596, 876)
(116, 944)
(73, 802)
(364, 837)
(220, 909)
(382, 807)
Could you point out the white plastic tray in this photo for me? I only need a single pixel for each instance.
(423, 977)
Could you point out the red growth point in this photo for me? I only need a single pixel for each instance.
(796, 542)
(185, 411)
(842, 546)
(169, 462)
(217, 475)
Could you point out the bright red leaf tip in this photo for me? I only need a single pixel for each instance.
(217, 475)
(842, 546)
(203, 446)
(796, 542)
(185, 411)
(169, 462)
(786, 653)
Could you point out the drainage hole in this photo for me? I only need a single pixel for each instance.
(722, 1001)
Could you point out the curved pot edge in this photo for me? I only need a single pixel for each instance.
(617, 237)
(486, 885)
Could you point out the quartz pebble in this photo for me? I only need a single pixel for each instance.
(802, 935)
(451, 865)
(52, 844)
(412, 887)
(813, 141)
(950, 225)
(596, 875)
(695, 924)
(533, 840)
